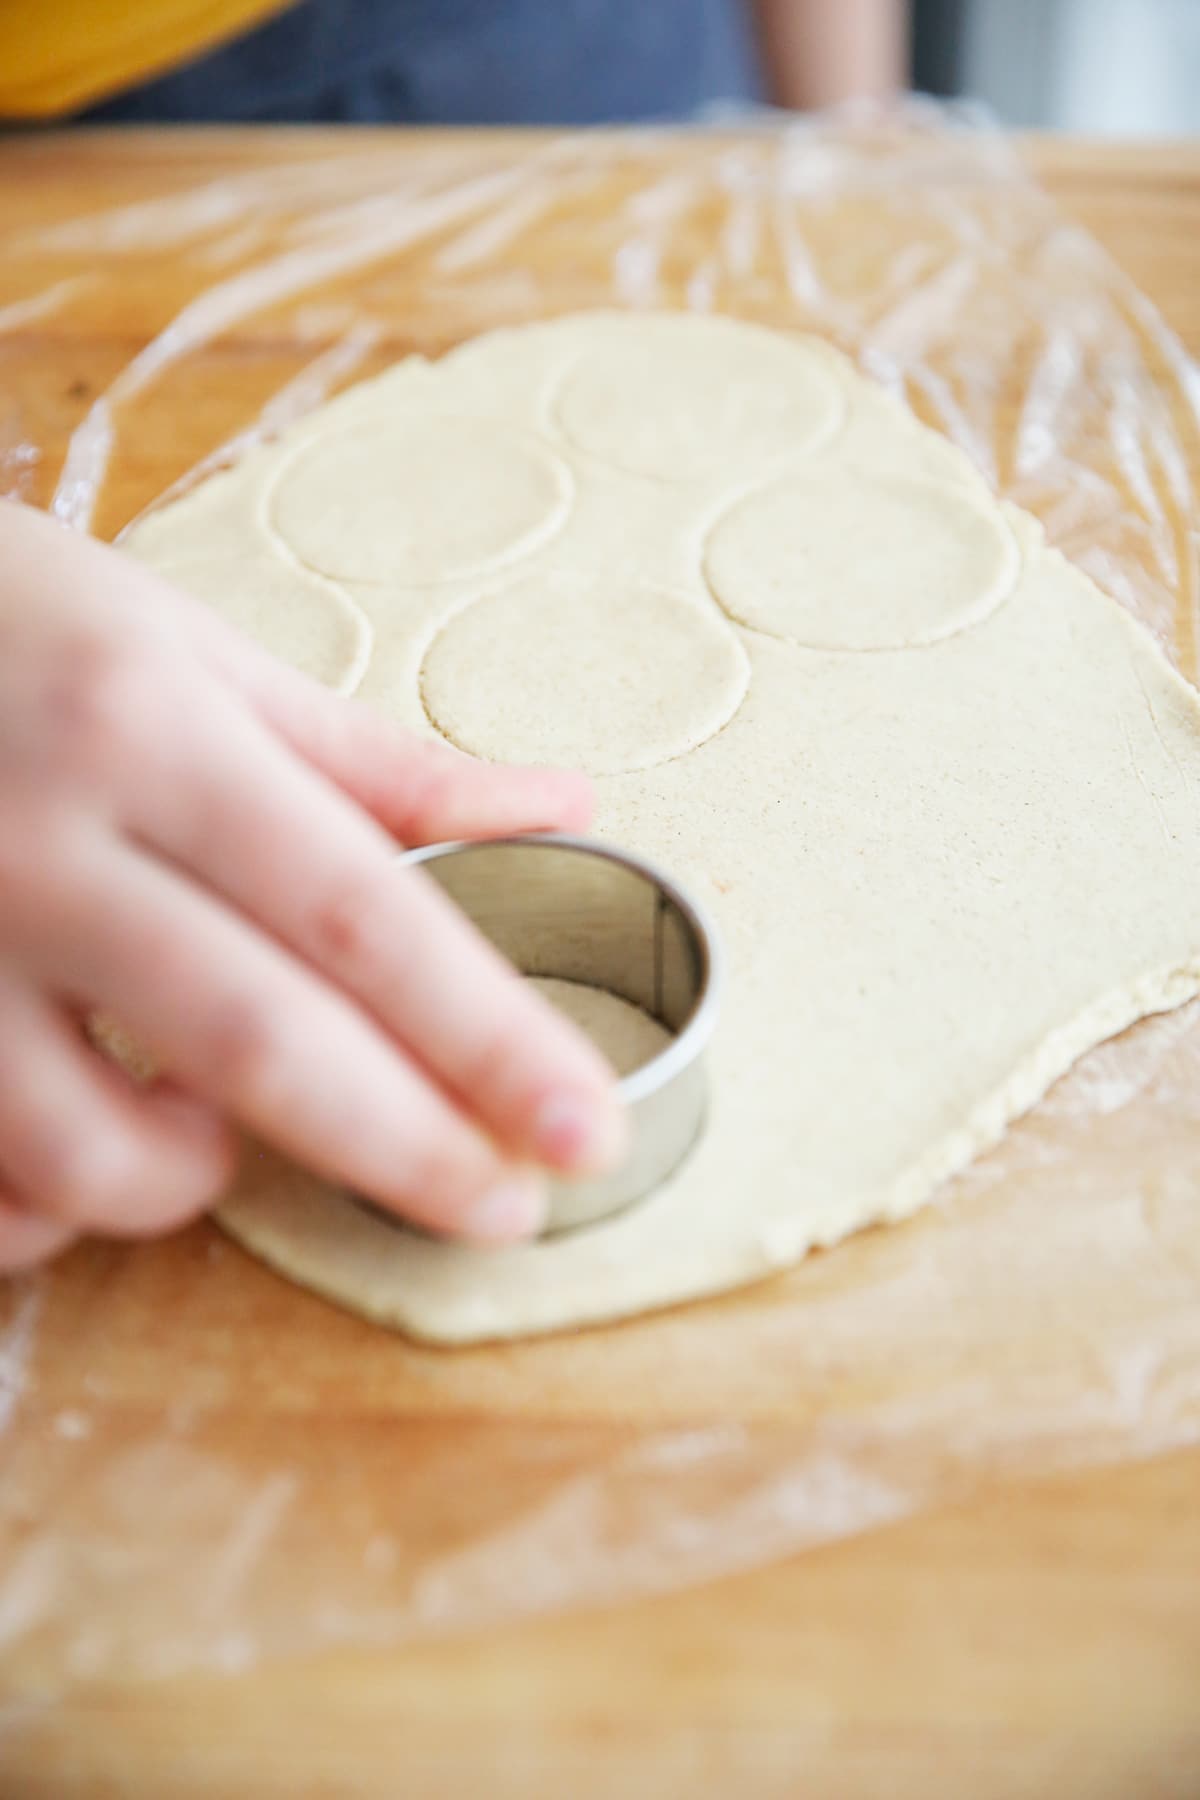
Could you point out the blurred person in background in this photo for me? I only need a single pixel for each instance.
(440, 62)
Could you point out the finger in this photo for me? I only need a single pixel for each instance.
(288, 851)
(81, 1146)
(238, 1021)
(420, 791)
(26, 1239)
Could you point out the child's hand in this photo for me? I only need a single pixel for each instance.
(196, 841)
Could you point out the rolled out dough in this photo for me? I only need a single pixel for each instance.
(942, 795)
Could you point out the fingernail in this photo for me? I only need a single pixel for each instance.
(574, 1131)
(513, 1209)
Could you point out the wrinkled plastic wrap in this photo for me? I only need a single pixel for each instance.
(204, 1467)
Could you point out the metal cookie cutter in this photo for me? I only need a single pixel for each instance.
(569, 907)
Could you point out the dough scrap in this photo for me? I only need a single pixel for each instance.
(942, 870)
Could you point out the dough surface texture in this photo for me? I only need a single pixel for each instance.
(940, 793)
(628, 1036)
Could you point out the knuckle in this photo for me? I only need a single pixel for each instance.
(490, 1065)
(162, 960)
(41, 840)
(241, 1054)
(181, 1186)
(344, 924)
(76, 1180)
(433, 1174)
(445, 1174)
(94, 698)
(127, 1184)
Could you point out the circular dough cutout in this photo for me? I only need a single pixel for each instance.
(419, 500)
(298, 617)
(689, 399)
(865, 561)
(603, 676)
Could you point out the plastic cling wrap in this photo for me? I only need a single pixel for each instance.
(204, 1467)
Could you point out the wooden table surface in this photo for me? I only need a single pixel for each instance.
(1044, 1641)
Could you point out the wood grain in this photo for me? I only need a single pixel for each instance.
(1044, 1640)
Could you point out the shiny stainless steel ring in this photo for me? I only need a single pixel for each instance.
(586, 911)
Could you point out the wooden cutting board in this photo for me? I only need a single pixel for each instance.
(1037, 1639)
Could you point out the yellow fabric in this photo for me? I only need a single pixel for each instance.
(59, 55)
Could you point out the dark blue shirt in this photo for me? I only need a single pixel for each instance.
(466, 62)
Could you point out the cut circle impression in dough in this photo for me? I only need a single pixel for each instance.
(413, 501)
(296, 615)
(607, 677)
(902, 853)
(866, 561)
(721, 395)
